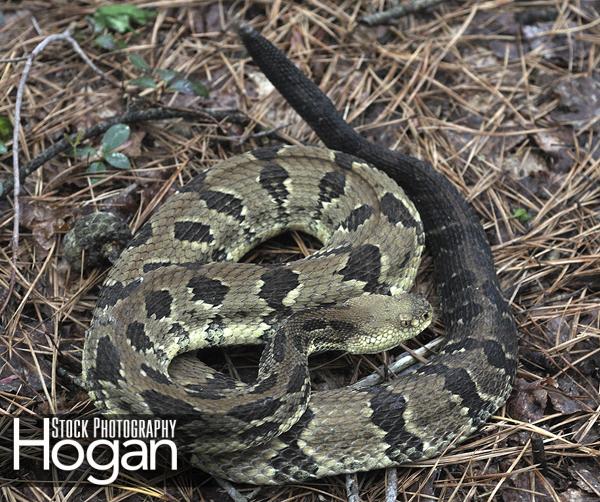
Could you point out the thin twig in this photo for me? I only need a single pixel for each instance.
(232, 491)
(398, 365)
(64, 36)
(13, 60)
(352, 488)
(398, 11)
(129, 117)
(391, 486)
(36, 25)
(261, 134)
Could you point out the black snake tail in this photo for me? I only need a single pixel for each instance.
(473, 309)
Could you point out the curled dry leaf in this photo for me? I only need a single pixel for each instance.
(573, 495)
(564, 403)
(579, 101)
(133, 146)
(528, 401)
(587, 476)
(554, 46)
(43, 222)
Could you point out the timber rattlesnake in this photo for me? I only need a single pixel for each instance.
(160, 300)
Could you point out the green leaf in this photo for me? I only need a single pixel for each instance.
(191, 87)
(6, 128)
(199, 89)
(97, 25)
(106, 41)
(96, 168)
(140, 16)
(118, 23)
(118, 160)
(167, 75)
(144, 82)
(85, 152)
(118, 17)
(139, 62)
(521, 214)
(3, 148)
(115, 137)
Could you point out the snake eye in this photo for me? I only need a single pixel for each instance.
(405, 324)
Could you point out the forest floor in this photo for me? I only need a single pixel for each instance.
(501, 96)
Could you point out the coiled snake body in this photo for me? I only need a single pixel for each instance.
(161, 299)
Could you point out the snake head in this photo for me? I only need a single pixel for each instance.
(385, 321)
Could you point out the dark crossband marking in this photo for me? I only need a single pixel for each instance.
(149, 267)
(396, 212)
(157, 376)
(192, 231)
(257, 410)
(292, 462)
(314, 324)
(223, 203)
(459, 382)
(466, 312)
(277, 347)
(278, 283)
(331, 186)
(112, 294)
(158, 304)
(364, 264)
(265, 385)
(342, 326)
(142, 236)
(357, 217)
(297, 380)
(393, 422)
(344, 160)
(164, 405)
(455, 289)
(108, 361)
(196, 184)
(272, 178)
(207, 290)
(137, 336)
(493, 350)
(266, 153)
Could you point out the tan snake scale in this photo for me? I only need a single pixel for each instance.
(175, 289)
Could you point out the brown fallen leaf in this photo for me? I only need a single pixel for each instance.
(587, 476)
(573, 495)
(552, 46)
(528, 401)
(564, 403)
(579, 100)
(44, 222)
